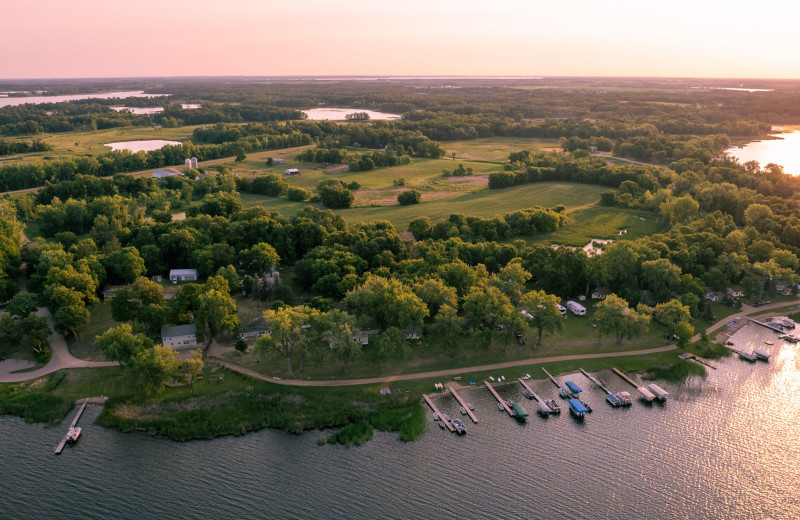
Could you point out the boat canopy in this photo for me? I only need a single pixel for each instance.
(578, 406)
(575, 389)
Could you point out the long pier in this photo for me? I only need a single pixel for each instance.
(499, 399)
(542, 404)
(767, 325)
(647, 395)
(463, 404)
(595, 381)
(700, 360)
(63, 442)
(437, 412)
(553, 379)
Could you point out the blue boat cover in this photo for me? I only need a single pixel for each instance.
(577, 406)
(575, 389)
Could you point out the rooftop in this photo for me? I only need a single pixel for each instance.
(178, 330)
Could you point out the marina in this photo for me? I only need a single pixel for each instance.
(561, 390)
(501, 404)
(466, 409)
(73, 432)
(776, 328)
(442, 417)
(543, 407)
(702, 361)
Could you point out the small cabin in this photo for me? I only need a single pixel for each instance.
(183, 275)
(179, 337)
(735, 292)
(292, 171)
(255, 329)
(600, 293)
(712, 297)
(110, 290)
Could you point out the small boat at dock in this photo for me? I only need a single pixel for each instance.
(459, 426)
(613, 400)
(73, 433)
(469, 405)
(435, 416)
(527, 393)
(441, 424)
(446, 417)
(747, 357)
(575, 389)
(555, 408)
(577, 408)
(563, 393)
(586, 405)
(760, 354)
(625, 398)
(462, 410)
(500, 407)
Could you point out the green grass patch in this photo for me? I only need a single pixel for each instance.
(496, 149)
(677, 371)
(82, 347)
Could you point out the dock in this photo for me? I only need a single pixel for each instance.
(702, 361)
(595, 381)
(437, 412)
(767, 325)
(543, 406)
(647, 395)
(553, 379)
(499, 399)
(463, 404)
(63, 442)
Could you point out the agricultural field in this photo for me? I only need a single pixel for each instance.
(496, 149)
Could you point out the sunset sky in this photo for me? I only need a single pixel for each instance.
(112, 38)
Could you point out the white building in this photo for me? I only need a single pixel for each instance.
(179, 337)
(193, 162)
(160, 174)
(183, 275)
(187, 163)
(292, 171)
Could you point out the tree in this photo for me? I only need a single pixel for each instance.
(543, 308)
(121, 344)
(684, 331)
(388, 302)
(390, 343)
(260, 258)
(216, 310)
(420, 227)
(614, 315)
(671, 313)
(240, 155)
(125, 265)
(487, 308)
(22, 305)
(511, 281)
(435, 294)
(335, 195)
(661, 277)
(70, 317)
(150, 368)
(286, 330)
(447, 325)
(190, 369)
(409, 197)
(339, 329)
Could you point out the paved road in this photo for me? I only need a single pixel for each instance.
(61, 358)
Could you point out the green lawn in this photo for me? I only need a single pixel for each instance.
(496, 148)
(100, 321)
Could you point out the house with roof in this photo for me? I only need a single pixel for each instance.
(110, 290)
(182, 275)
(600, 293)
(735, 291)
(713, 296)
(292, 171)
(179, 337)
(255, 329)
(160, 174)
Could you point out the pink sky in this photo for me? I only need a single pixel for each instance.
(111, 38)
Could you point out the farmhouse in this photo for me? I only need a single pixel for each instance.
(183, 275)
(292, 171)
(179, 337)
(255, 329)
(600, 293)
(735, 291)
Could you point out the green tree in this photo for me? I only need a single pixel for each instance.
(22, 305)
(543, 308)
(435, 294)
(670, 314)
(121, 344)
(151, 368)
(409, 197)
(511, 281)
(613, 315)
(388, 302)
(447, 326)
(286, 331)
(189, 370)
(216, 310)
(684, 331)
(260, 258)
(661, 277)
(339, 328)
(125, 265)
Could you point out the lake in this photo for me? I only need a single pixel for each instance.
(146, 145)
(338, 114)
(726, 447)
(785, 150)
(154, 110)
(14, 101)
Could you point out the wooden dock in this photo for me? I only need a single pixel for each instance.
(499, 399)
(700, 360)
(647, 395)
(437, 412)
(767, 325)
(553, 379)
(535, 395)
(463, 404)
(63, 442)
(595, 381)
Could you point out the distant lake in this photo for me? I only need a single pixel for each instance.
(785, 150)
(338, 114)
(9, 102)
(146, 145)
(190, 106)
(139, 110)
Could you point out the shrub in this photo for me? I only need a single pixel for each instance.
(297, 194)
(241, 345)
(409, 197)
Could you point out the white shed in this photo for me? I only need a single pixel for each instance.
(183, 275)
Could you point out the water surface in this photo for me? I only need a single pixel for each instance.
(722, 448)
(338, 114)
(785, 150)
(145, 145)
(7, 102)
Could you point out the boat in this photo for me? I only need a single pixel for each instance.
(554, 406)
(563, 393)
(613, 400)
(527, 393)
(500, 407)
(73, 433)
(509, 402)
(462, 410)
(459, 426)
(575, 389)
(760, 354)
(519, 411)
(469, 405)
(625, 398)
(446, 417)
(588, 408)
(441, 424)
(769, 343)
(577, 408)
(543, 409)
(747, 357)
(435, 416)
(659, 392)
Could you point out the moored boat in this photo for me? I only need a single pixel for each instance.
(577, 408)
(527, 393)
(588, 408)
(760, 354)
(462, 410)
(500, 407)
(519, 411)
(625, 398)
(435, 416)
(469, 405)
(459, 426)
(613, 400)
(73, 433)
(446, 417)
(554, 406)
(563, 393)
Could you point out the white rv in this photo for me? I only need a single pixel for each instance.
(576, 308)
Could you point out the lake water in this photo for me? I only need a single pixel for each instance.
(146, 145)
(338, 114)
(139, 110)
(725, 447)
(7, 102)
(784, 151)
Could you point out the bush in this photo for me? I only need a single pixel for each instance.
(353, 186)
(241, 345)
(42, 354)
(335, 196)
(399, 182)
(409, 197)
(297, 194)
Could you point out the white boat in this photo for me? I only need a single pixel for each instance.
(469, 405)
(446, 417)
(462, 410)
(500, 406)
(73, 433)
(436, 417)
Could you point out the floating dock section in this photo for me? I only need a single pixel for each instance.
(463, 404)
(544, 409)
(702, 361)
(63, 442)
(437, 412)
(499, 399)
(647, 395)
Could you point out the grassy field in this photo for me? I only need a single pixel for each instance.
(496, 149)
(100, 321)
(69, 144)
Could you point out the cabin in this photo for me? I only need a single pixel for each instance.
(713, 297)
(179, 337)
(735, 292)
(182, 275)
(600, 293)
(292, 171)
(255, 329)
(360, 337)
(278, 161)
(576, 308)
(110, 290)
